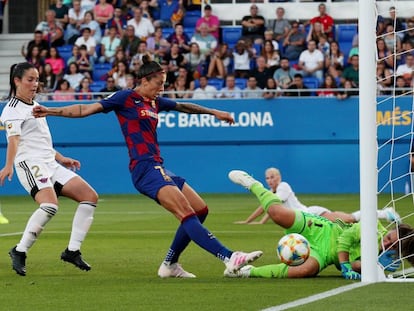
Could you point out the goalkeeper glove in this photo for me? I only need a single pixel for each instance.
(348, 273)
(388, 262)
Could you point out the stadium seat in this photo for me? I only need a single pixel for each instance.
(216, 82)
(190, 18)
(189, 31)
(311, 83)
(65, 51)
(346, 32)
(96, 86)
(241, 83)
(100, 70)
(231, 35)
(166, 32)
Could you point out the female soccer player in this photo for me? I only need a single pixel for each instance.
(42, 171)
(287, 196)
(331, 242)
(137, 111)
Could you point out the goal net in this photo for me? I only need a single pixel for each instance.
(395, 121)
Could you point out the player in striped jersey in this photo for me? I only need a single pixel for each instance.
(43, 172)
(137, 111)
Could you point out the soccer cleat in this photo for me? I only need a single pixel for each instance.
(240, 259)
(18, 261)
(244, 272)
(391, 215)
(75, 258)
(242, 178)
(3, 220)
(173, 271)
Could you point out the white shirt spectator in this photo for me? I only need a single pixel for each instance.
(311, 60)
(208, 92)
(143, 29)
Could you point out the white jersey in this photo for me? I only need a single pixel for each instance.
(35, 138)
(289, 200)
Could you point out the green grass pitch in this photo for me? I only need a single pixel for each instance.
(127, 242)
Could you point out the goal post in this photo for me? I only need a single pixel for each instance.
(368, 140)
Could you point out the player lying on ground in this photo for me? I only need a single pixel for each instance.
(332, 243)
(284, 191)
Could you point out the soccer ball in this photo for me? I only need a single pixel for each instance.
(293, 249)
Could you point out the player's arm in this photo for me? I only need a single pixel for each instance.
(197, 109)
(72, 111)
(348, 238)
(7, 170)
(67, 162)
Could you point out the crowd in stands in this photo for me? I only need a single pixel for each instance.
(87, 46)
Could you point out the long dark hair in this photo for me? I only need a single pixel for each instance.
(18, 71)
(148, 68)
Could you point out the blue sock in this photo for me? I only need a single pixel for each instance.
(181, 239)
(204, 238)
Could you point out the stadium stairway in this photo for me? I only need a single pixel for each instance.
(10, 46)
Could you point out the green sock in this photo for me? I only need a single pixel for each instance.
(278, 271)
(266, 197)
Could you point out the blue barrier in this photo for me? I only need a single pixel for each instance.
(313, 141)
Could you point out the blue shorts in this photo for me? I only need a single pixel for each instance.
(150, 176)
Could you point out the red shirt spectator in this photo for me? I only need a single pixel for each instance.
(326, 20)
(211, 20)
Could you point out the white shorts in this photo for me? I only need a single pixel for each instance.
(36, 175)
(317, 210)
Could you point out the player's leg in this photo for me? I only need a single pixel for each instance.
(270, 202)
(78, 189)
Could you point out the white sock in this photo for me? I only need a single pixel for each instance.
(35, 225)
(357, 215)
(381, 214)
(82, 221)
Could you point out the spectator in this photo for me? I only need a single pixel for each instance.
(384, 77)
(120, 56)
(76, 15)
(252, 90)
(315, 31)
(195, 61)
(408, 38)
(61, 12)
(93, 25)
(241, 59)
(323, 45)
(103, 12)
(38, 41)
(397, 22)
(334, 61)
(130, 42)
(383, 53)
(326, 21)
(271, 56)
(109, 88)
(158, 45)
(261, 72)
(167, 8)
(280, 26)
(142, 26)
(109, 44)
(204, 91)
(174, 58)
(401, 86)
(87, 40)
(299, 87)
(74, 57)
(392, 40)
(146, 10)
(137, 58)
(84, 60)
(348, 89)
(212, 22)
(294, 42)
(51, 29)
(270, 91)
(179, 90)
(56, 62)
(84, 91)
(230, 90)
(73, 76)
(327, 88)
(253, 25)
(63, 92)
(180, 38)
(48, 79)
(206, 41)
(269, 35)
(311, 62)
(34, 58)
(130, 81)
(120, 74)
(219, 62)
(189, 80)
(284, 75)
(406, 69)
(351, 72)
(118, 21)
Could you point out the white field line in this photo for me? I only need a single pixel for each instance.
(307, 300)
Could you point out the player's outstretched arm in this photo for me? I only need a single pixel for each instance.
(197, 109)
(72, 111)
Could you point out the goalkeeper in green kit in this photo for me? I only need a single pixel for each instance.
(332, 243)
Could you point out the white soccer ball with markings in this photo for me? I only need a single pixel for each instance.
(293, 249)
